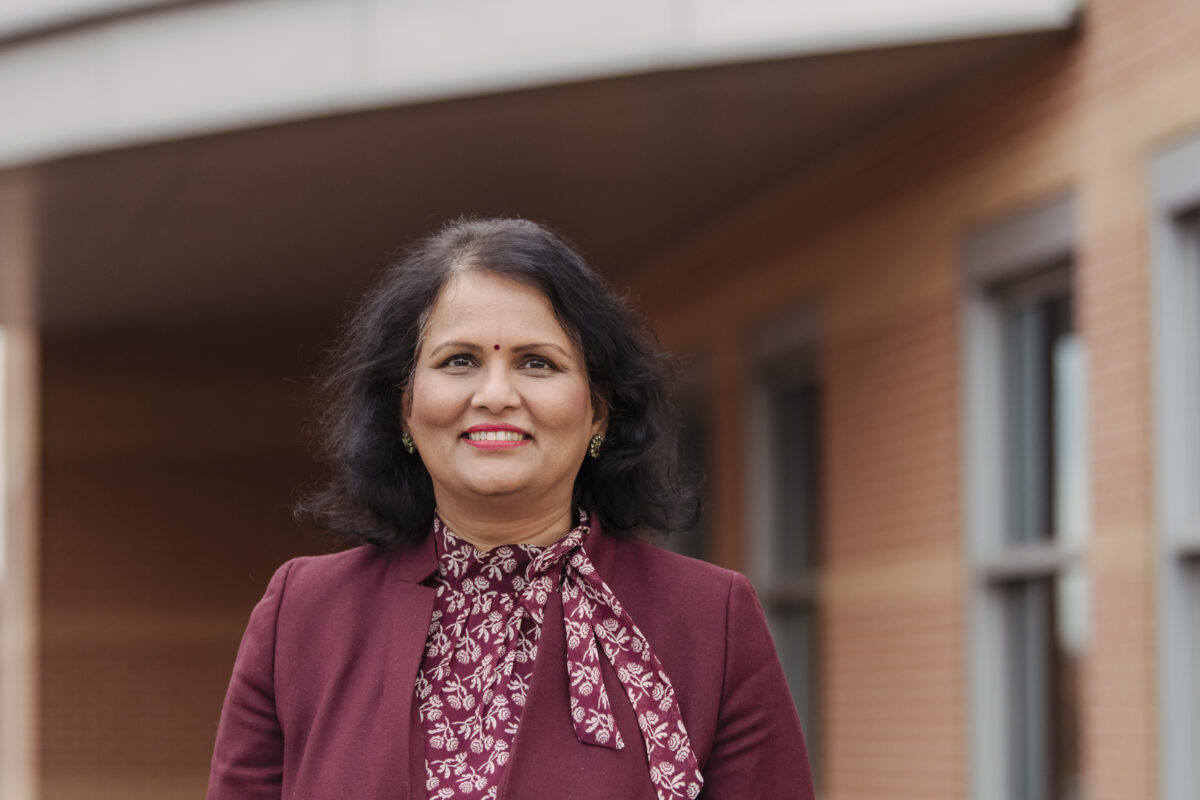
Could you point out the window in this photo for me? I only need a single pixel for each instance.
(1026, 467)
(784, 495)
(1175, 270)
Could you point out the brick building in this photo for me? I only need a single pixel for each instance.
(939, 303)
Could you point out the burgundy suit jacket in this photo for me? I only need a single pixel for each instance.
(320, 706)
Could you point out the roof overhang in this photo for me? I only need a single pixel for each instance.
(287, 221)
(85, 75)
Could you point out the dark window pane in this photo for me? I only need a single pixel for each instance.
(793, 627)
(791, 410)
(794, 410)
(1044, 683)
(1028, 625)
(1034, 330)
(693, 464)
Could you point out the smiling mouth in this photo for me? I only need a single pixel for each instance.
(495, 436)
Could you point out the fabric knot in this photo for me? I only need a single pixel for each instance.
(488, 613)
(595, 621)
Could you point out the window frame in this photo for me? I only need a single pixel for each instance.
(1033, 245)
(1174, 174)
(789, 337)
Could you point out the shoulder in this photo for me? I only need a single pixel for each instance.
(332, 567)
(360, 574)
(678, 596)
(646, 567)
(298, 598)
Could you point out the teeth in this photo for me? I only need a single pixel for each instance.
(495, 436)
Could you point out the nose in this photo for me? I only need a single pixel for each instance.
(496, 391)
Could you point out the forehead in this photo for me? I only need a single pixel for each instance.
(485, 305)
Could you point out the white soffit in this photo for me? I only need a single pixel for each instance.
(196, 68)
(22, 17)
(814, 26)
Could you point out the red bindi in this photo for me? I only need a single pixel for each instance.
(495, 347)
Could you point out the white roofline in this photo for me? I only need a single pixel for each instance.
(198, 68)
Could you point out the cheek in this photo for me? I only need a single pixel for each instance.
(571, 410)
(431, 403)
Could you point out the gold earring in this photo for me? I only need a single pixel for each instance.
(406, 440)
(594, 445)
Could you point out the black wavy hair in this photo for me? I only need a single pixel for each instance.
(379, 494)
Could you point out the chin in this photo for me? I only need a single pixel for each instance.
(500, 488)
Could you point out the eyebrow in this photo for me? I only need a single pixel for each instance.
(524, 348)
(472, 347)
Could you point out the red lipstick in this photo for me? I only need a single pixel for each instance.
(496, 436)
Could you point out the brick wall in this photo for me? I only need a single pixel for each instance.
(870, 241)
(169, 466)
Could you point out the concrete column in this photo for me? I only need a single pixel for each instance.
(18, 492)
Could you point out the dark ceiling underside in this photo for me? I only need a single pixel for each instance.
(287, 223)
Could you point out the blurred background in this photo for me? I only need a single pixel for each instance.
(933, 267)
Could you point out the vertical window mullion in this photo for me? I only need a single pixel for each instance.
(1192, 565)
(1175, 316)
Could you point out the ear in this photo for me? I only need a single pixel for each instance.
(599, 415)
(405, 404)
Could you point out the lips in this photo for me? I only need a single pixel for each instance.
(495, 436)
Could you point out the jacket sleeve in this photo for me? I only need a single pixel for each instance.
(247, 761)
(758, 751)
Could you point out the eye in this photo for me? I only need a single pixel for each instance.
(458, 361)
(538, 363)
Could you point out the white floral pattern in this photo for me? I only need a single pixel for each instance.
(479, 656)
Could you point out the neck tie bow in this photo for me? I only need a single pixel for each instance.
(595, 622)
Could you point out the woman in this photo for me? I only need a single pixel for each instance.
(498, 428)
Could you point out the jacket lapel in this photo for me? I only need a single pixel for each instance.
(406, 614)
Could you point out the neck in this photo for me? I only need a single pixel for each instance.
(542, 527)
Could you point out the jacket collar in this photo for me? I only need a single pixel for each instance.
(418, 560)
(601, 549)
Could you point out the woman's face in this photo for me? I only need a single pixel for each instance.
(499, 404)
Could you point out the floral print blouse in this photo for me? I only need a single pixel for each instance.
(474, 679)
